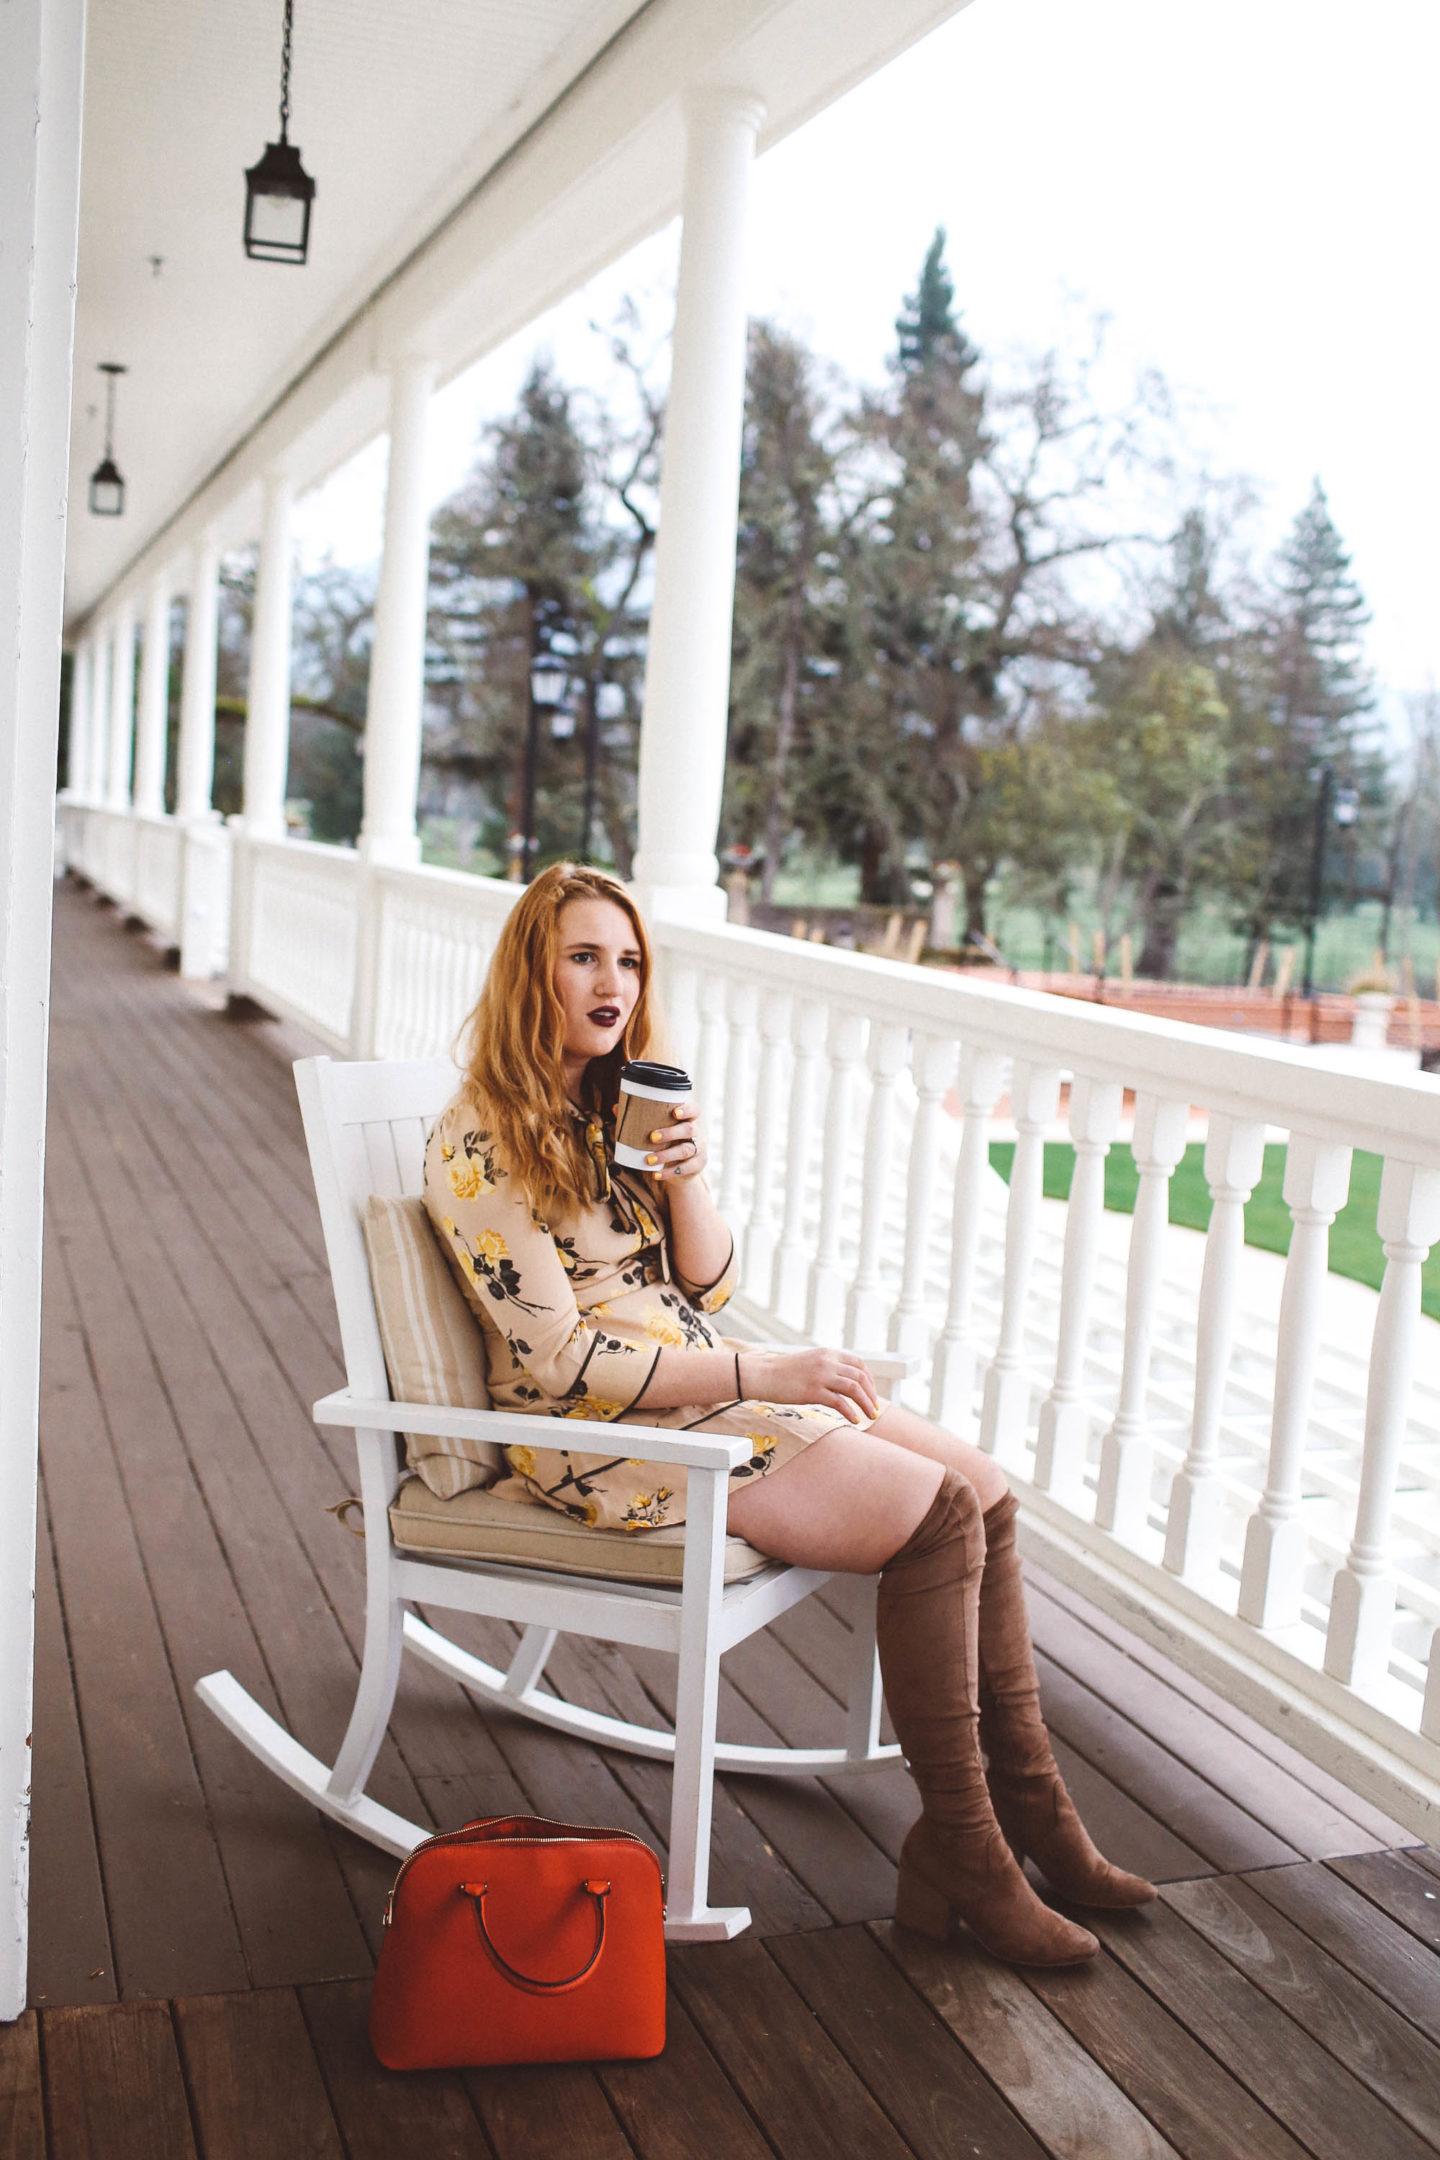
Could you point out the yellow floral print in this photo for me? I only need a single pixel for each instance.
(521, 1459)
(491, 1246)
(468, 1181)
(594, 1410)
(664, 1329)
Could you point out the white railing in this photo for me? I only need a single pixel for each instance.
(1241, 1471)
(156, 895)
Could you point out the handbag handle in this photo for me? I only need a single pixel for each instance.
(600, 1891)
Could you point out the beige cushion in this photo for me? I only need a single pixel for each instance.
(526, 1533)
(434, 1347)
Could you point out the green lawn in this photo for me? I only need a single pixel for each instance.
(1354, 1244)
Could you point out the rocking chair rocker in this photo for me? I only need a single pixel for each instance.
(365, 1125)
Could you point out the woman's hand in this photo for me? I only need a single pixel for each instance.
(677, 1148)
(835, 1377)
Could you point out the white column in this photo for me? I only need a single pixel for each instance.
(77, 750)
(1362, 1600)
(196, 758)
(687, 672)
(395, 704)
(267, 716)
(1127, 1455)
(1063, 1439)
(150, 734)
(40, 85)
(122, 710)
(95, 778)
(1234, 1159)
(1317, 1180)
(202, 909)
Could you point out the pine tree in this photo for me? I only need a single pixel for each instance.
(512, 555)
(782, 561)
(1317, 701)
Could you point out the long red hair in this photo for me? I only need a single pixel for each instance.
(512, 1042)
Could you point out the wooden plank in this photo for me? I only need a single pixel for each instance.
(1324, 2105)
(790, 2075)
(385, 2113)
(291, 1907)
(926, 2081)
(1377, 1949)
(170, 1916)
(540, 2108)
(1391, 1880)
(1147, 2053)
(1276, 1796)
(255, 2086)
(22, 2110)
(681, 2106)
(1382, 2048)
(1369, 1820)
(71, 1960)
(113, 2084)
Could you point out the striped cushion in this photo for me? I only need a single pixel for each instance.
(434, 1351)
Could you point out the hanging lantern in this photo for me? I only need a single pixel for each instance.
(278, 190)
(107, 488)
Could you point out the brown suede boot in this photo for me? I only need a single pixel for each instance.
(955, 1861)
(1034, 1810)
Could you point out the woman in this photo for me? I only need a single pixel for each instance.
(596, 1285)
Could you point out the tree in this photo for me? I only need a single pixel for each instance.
(1314, 709)
(782, 552)
(512, 554)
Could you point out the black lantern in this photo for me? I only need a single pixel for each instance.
(278, 190)
(107, 489)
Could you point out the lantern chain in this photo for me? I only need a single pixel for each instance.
(285, 72)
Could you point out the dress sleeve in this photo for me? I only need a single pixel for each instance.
(513, 1276)
(707, 1297)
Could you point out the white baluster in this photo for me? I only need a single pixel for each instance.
(864, 1310)
(1063, 1438)
(1362, 1602)
(740, 1020)
(710, 1058)
(932, 1064)
(1317, 1178)
(952, 1379)
(787, 1286)
(761, 1230)
(1234, 1158)
(1122, 1499)
(682, 1016)
(825, 1306)
(1034, 1096)
(1430, 1709)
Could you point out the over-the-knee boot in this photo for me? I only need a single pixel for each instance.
(1034, 1810)
(955, 1861)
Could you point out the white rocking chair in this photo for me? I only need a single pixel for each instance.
(366, 1126)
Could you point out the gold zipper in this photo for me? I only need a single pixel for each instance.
(477, 1837)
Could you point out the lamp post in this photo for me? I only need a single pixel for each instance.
(1336, 803)
(545, 689)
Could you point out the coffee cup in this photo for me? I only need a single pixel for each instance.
(648, 1093)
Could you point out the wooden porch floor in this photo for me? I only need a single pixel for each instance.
(202, 1940)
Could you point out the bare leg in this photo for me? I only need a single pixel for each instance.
(849, 1501)
(906, 1429)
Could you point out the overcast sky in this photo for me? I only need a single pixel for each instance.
(1245, 188)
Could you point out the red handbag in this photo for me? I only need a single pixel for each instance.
(519, 1940)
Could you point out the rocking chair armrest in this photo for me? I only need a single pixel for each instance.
(886, 1364)
(508, 1428)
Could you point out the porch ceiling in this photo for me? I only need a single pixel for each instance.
(399, 108)
(475, 162)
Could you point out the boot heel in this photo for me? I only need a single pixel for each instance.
(917, 1905)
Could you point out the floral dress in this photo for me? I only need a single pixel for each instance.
(580, 1308)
